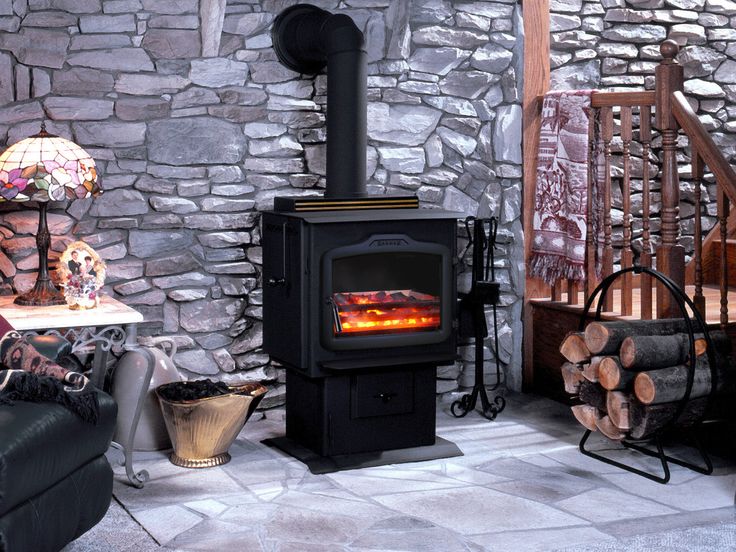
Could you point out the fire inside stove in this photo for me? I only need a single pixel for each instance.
(369, 312)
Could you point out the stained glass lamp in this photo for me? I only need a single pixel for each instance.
(45, 168)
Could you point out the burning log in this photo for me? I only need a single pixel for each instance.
(605, 338)
(573, 348)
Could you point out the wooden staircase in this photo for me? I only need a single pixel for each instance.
(551, 311)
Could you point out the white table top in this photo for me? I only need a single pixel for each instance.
(109, 312)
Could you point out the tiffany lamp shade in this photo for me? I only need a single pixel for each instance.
(45, 168)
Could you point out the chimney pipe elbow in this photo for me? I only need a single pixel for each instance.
(341, 34)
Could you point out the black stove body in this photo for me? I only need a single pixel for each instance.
(360, 308)
(359, 291)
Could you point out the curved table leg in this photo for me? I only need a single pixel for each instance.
(136, 479)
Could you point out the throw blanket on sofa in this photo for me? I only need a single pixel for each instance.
(562, 183)
(27, 375)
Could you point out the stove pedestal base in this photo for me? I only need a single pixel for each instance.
(329, 464)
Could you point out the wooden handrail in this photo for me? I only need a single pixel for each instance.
(633, 98)
(691, 125)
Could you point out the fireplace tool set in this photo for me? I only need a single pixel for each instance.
(484, 291)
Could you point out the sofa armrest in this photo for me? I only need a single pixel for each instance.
(52, 347)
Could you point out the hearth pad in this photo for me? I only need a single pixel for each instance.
(317, 464)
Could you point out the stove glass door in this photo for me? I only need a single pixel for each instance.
(386, 293)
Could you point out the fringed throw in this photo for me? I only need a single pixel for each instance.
(27, 375)
(564, 176)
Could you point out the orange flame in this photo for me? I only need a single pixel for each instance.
(387, 311)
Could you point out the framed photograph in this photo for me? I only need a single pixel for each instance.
(82, 274)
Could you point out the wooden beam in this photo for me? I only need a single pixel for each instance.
(536, 83)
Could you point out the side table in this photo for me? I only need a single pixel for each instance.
(111, 324)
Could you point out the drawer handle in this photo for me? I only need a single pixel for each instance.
(385, 397)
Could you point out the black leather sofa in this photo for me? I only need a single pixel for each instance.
(55, 482)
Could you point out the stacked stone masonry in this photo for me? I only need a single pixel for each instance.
(196, 128)
(614, 45)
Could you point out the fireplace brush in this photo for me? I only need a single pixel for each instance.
(484, 291)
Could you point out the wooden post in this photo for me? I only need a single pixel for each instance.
(536, 83)
(670, 255)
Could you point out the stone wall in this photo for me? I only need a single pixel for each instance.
(614, 45)
(196, 127)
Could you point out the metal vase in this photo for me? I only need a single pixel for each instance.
(202, 430)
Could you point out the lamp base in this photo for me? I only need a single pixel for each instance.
(43, 294)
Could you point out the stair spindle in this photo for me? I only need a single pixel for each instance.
(591, 277)
(627, 256)
(697, 169)
(607, 135)
(723, 211)
(645, 137)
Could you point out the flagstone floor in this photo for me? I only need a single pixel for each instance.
(521, 485)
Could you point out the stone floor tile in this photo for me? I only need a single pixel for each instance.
(685, 491)
(431, 539)
(712, 538)
(165, 523)
(248, 515)
(251, 473)
(468, 475)
(475, 510)
(656, 524)
(602, 505)
(217, 536)
(541, 540)
(377, 481)
(185, 486)
(546, 485)
(354, 507)
(306, 547)
(208, 507)
(309, 526)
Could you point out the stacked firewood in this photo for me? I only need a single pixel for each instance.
(631, 376)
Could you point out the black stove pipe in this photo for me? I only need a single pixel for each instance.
(306, 38)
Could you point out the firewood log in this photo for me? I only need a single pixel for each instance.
(587, 415)
(648, 352)
(646, 420)
(612, 376)
(593, 394)
(668, 384)
(604, 338)
(573, 348)
(590, 369)
(572, 375)
(617, 406)
(606, 427)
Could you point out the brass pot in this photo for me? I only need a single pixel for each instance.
(202, 430)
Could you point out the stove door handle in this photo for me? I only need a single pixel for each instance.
(335, 315)
(385, 397)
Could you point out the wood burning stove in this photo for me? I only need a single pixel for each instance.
(359, 291)
(360, 308)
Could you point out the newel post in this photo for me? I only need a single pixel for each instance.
(670, 255)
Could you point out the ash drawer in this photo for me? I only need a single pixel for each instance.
(382, 394)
